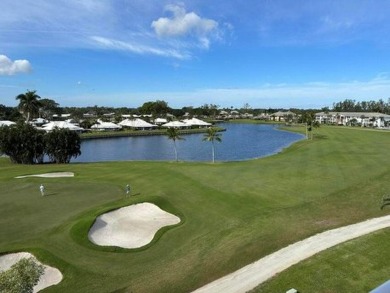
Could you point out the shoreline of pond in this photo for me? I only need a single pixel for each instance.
(135, 133)
(240, 142)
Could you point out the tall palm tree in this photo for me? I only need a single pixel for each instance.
(212, 135)
(29, 103)
(174, 134)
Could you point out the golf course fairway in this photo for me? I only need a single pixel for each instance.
(232, 214)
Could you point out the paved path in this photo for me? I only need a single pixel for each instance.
(256, 273)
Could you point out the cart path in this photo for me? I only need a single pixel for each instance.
(258, 272)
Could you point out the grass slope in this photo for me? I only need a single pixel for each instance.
(233, 213)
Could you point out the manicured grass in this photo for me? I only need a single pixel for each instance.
(355, 266)
(233, 213)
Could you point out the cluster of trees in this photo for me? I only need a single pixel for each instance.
(21, 277)
(349, 105)
(9, 113)
(30, 105)
(24, 144)
(156, 108)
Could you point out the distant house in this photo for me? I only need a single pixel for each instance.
(176, 124)
(39, 121)
(137, 124)
(262, 116)
(159, 121)
(90, 115)
(222, 115)
(104, 126)
(196, 122)
(234, 114)
(283, 115)
(247, 115)
(61, 124)
(363, 119)
(110, 116)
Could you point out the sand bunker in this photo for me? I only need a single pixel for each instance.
(130, 227)
(50, 175)
(50, 277)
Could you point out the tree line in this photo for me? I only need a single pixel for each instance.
(350, 105)
(32, 105)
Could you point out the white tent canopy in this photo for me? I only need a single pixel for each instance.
(196, 122)
(39, 121)
(160, 120)
(61, 124)
(175, 124)
(101, 125)
(136, 123)
(6, 123)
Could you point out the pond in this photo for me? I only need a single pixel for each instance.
(239, 142)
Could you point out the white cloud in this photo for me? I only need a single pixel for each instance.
(41, 24)
(183, 24)
(139, 48)
(9, 67)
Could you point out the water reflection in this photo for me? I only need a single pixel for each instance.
(239, 142)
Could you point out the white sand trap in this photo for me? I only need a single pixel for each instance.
(130, 227)
(50, 277)
(50, 175)
(258, 272)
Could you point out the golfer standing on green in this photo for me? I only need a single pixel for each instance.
(42, 190)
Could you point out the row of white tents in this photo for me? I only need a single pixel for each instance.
(142, 124)
(6, 123)
(136, 123)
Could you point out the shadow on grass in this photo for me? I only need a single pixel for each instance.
(133, 194)
(320, 136)
(50, 194)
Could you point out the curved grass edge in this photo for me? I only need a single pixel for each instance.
(46, 258)
(79, 230)
(315, 273)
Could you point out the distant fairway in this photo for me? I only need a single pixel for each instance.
(232, 214)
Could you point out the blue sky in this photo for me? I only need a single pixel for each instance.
(267, 53)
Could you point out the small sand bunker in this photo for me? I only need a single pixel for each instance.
(130, 227)
(50, 175)
(50, 277)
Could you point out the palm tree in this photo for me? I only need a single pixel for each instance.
(29, 103)
(174, 134)
(212, 135)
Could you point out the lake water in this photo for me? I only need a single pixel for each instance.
(239, 142)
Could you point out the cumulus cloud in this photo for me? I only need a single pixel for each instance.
(182, 24)
(9, 67)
